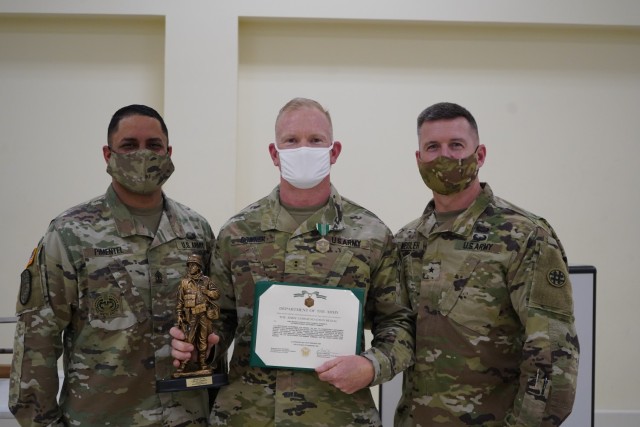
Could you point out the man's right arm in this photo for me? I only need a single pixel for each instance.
(43, 311)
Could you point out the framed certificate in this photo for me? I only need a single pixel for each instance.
(299, 326)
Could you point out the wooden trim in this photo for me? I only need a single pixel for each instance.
(5, 371)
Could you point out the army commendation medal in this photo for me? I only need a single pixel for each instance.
(322, 245)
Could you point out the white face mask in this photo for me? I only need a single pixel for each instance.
(305, 167)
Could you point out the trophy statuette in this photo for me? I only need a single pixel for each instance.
(195, 311)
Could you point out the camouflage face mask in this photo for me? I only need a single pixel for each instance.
(445, 175)
(142, 171)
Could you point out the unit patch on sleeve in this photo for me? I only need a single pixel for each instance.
(551, 286)
(32, 291)
(556, 277)
(25, 286)
(32, 257)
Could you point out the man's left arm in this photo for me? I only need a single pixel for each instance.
(542, 297)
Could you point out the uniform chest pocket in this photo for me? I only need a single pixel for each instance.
(255, 263)
(334, 268)
(411, 273)
(468, 300)
(113, 302)
(337, 267)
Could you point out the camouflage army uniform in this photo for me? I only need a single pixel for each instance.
(495, 339)
(263, 242)
(101, 289)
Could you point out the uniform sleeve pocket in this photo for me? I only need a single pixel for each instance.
(16, 368)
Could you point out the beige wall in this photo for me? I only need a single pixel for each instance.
(556, 92)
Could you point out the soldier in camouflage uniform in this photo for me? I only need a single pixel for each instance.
(100, 291)
(277, 239)
(196, 308)
(495, 337)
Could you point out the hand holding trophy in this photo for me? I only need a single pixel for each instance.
(195, 311)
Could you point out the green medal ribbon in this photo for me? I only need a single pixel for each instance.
(323, 245)
(323, 229)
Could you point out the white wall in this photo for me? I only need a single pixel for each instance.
(555, 89)
(61, 79)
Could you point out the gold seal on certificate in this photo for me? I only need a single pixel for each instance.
(299, 326)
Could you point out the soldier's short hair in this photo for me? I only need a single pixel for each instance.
(298, 103)
(446, 111)
(134, 110)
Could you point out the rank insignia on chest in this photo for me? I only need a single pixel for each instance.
(431, 271)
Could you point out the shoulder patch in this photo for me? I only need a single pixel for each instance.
(556, 277)
(32, 257)
(551, 287)
(25, 285)
(31, 294)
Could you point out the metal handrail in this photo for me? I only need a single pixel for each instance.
(12, 319)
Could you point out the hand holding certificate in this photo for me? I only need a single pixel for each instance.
(302, 326)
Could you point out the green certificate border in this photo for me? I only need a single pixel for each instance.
(262, 286)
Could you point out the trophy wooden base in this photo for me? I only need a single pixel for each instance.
(191, 381)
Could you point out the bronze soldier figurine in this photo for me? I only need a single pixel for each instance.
(195, 311)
